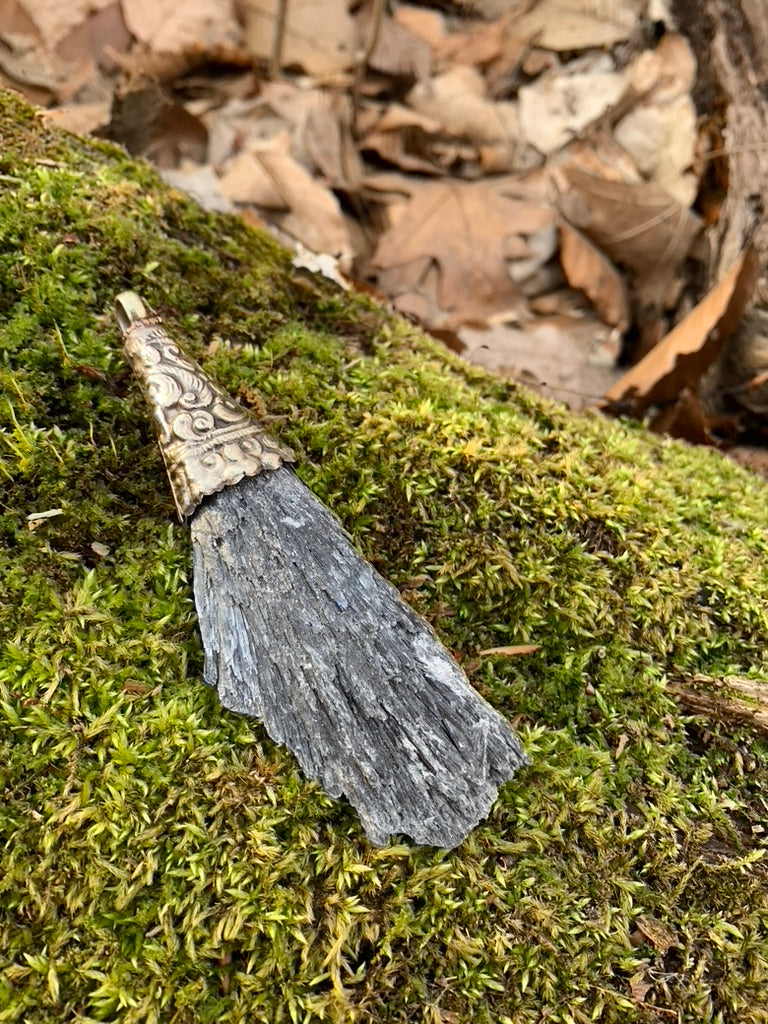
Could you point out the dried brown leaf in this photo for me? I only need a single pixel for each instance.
(403, 137)
(55, 18)
(559, 106)
(314, 216)
(684, 419)
(16, 23)
(397, 49)
(479, 43)
(39, 75)
(159, 66)
(587, 268)
(80, 118)
(601, 156)
(689, 349)
(103, 36)
(565, 357)
(462, 228)
(426, 24)
(319, 34)
(390, 147)
(580, 24)
(456, 100)
(660, 132)
(244, 180)
(638, 225)
(639, 986)
(173, 27)
(621, 746)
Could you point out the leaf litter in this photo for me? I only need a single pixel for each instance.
(524, 178)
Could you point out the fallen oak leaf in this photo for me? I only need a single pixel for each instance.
(426, 24)
(690, 348)
(479, 43)
(53, 21)
(403, 137)
(463, 227)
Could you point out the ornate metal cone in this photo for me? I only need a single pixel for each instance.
(302, 633)
(207, 440)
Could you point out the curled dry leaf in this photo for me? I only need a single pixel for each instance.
(570, 358)
(103, 37)
(481, 43)
(601, 156)
(638, 225)
(403, 137)
(200, 182)
(303, 208)
(690, 348)
(39, 74)
(80, 118)
(684, 418)
(590, 270)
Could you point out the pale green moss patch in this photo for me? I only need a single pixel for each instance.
(162, 861)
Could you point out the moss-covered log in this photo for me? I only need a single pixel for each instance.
(161, 860)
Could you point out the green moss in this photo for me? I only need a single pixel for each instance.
(163, 861)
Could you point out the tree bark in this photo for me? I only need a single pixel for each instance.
(730, 40)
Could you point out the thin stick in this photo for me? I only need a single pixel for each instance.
(377, 15)
(278, 41)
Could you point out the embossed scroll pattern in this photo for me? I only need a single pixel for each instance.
(207, 440)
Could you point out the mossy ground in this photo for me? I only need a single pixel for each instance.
(163, 861)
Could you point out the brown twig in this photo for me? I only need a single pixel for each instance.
(278, 40)
(377, 15)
